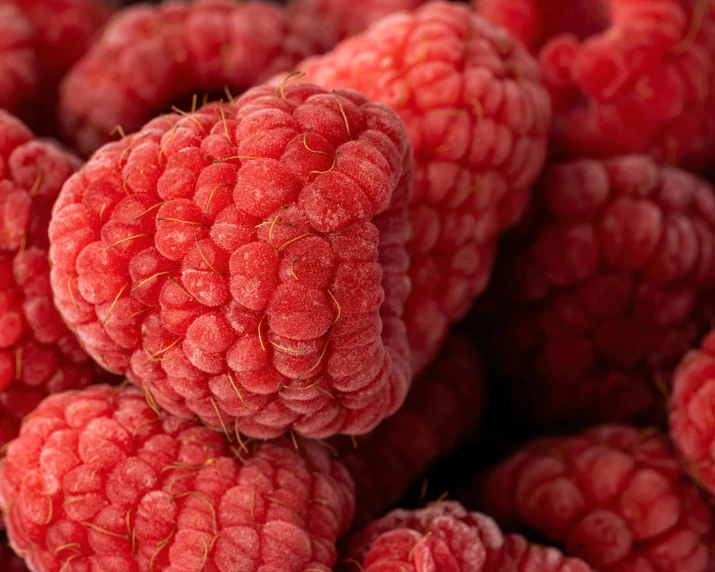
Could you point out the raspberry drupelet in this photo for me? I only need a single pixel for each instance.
(624, 76)
(345, 18)
(478, 120)
(99, 481)
(445, 537)
(614, 496)
(151, 58)
(444, 406)
(603, 289)
(246, 263)
(692, 422)
(38, 353)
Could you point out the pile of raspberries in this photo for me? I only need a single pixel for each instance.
(341, 286)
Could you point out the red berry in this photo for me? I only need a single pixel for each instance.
(605, 288)
(445, 537)
(246, 263)
(692, 417)
(624, 76)
(152, 57)
(98, 480)
(478, 121)
(345, 18)
(443, 407)
(614, 496)
(38, 354)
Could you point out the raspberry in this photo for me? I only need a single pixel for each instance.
(692, 423)
(345, 18)
(151, 57)
(444, 405)
(605, 289)
(97, 480)
(624, 76)
(246, 263)
(614, 496)
(478, 120)
(448, 538)
(38, 354)
(18, 73)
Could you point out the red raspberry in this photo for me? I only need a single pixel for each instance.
(692, 417)
(445, 537)
(604, 291)
(443, 407)
(9, 561)
(98, 480)
(478, 120)
(624, 76)
(345, 18)
(151, 57)
(246, 263)
(38, 354)
(614, 496)
(18, 73)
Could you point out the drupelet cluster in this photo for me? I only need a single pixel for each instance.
(446, 537)
(624, 77)
(101, 479)
(478, 119)
(614, 496)
(38, 354)
(152, 58)
(604, 288)
(246, 263)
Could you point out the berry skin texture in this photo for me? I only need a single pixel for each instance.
(345, 18)
(604, 289)
(246, 263)
(624, 77)
(692, 426)
(99, 481)
(478, 120)
(150, 58)
(444, 406)
(446, 537)
(18, 72)
(614, 496)
(38, 354)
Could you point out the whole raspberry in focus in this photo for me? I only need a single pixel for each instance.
(39, 41)
(444, 406)
(624, 76)
(151, 58)
(38, 354)
(692, 418)
(98, 480)
(18, 65)
(478, 120)
(446, 537)
(614, 496)
(344, 18)
(246, 263)
(604, 289)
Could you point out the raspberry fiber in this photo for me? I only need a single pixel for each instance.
(624, 76)
(38, 354)
(446, 537)
(604, 289)
(444, 406)
(150, 58)
(246, 263)
(614, 496)
(99, 481)
(692, 424)
(478, 120)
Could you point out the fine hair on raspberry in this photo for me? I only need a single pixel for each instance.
(101, 480)
(246, 263)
